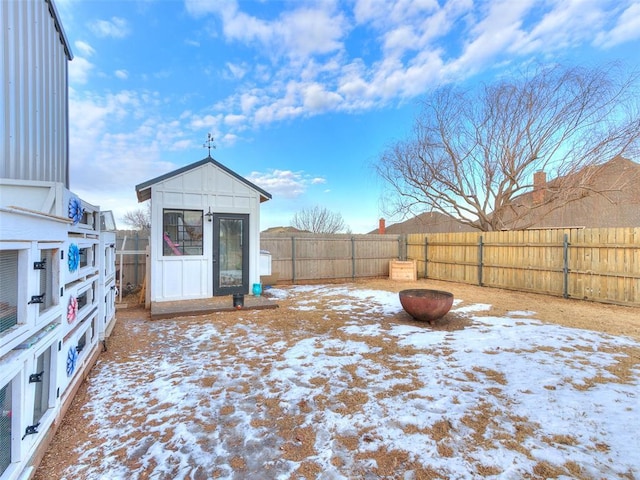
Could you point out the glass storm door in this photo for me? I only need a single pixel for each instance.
(230, 254)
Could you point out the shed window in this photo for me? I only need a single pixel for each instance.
(182, 232)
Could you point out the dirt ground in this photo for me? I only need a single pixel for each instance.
(611, 319)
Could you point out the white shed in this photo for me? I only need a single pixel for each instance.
(205, 232)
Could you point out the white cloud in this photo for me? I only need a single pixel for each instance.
(329, 82)
(114, 137)
(237, 70)
(312, 57)
(493, 34)
(400, 49)
(400, 38)
(310, 31)
(79, 70)
(352, 83)
(278, 110)
(262, 73)
(442, 21)
(84, 48)
(198, 8)
(248, 102)
(282, 183)
(115, 28)
(316, 99)
(368, 11)
(395, 80)
(561, 27)
(299, 33)
(206, 122)
(181, 145)
(627, 28)
(234, 120)
(229, 138)
(381, 12)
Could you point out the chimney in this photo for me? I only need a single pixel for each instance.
(539, 182)
(381, 227)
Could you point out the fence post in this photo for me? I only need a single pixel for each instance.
(353, 257)
(124, 243)
(405, 253)
(402, 247)
(480, 260)
(293, 259)
(426, 255)
(136, 248)
(565, 266)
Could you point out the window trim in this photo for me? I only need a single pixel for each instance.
(13, 379)
(52, 269)
(52, 373)
(177, 244)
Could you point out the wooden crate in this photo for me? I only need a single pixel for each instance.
(403, 270)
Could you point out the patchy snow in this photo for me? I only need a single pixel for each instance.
(534, 378)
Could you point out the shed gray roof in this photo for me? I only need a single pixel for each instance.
(143, 190)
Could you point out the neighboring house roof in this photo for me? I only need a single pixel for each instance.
(428, 222)
(143, 190)
(610, 198)
(284, 230)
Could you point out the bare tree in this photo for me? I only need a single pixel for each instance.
(318, 220)
(473, 154)
(139, 219)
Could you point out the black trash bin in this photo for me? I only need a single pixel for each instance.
(238, 300)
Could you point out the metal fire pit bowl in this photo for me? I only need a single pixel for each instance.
(426, 305)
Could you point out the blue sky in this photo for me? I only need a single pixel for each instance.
(301, 96)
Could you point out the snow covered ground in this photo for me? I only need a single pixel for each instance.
(504, 397)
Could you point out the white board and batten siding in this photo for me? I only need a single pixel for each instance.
(202, 188)
(33, 77)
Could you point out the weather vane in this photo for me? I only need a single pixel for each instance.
(209, 143)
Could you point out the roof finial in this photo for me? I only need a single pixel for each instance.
(209, 143)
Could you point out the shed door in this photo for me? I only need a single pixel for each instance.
(230, 254)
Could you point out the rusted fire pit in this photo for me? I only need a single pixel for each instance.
(425, 304)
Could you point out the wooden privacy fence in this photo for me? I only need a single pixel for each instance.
(302, 257)
(593, 264)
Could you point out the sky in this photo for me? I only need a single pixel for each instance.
(558, 400)
(301, 96)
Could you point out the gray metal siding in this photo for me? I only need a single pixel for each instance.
(34, 121)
